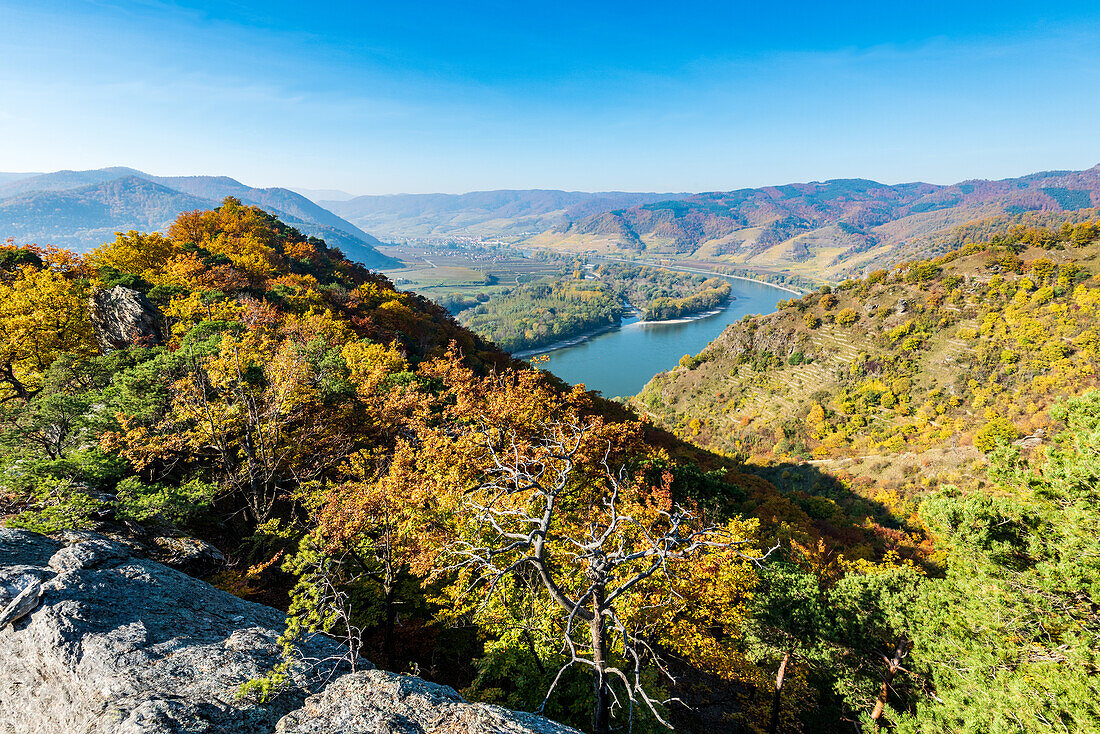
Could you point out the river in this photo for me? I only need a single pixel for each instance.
(620, 361)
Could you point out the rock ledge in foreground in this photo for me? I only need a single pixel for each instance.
(98, 641)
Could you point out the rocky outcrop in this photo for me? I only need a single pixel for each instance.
(745, 336)
(123, 317)
(164, 545)
(376, 701)
(95, 639)
(124, 645)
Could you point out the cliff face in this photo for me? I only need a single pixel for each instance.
(94, 639)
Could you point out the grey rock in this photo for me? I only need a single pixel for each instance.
(164, 545)
(123, 317)
(190, 555)
(118, 644)
(1031, 441)
(378, 702)
(23, 604)
(87, 554)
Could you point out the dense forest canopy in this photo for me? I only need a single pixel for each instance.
(361, 457)
(659, 293)
(543, 312)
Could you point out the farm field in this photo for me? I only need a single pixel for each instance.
(437, 272)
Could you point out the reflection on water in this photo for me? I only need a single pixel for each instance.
(622, 361)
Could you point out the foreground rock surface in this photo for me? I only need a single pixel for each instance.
(96, 640)
(374, 701)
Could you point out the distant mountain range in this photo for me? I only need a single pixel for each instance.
(504, 213)
(319, 195)
(827, 229)
(83, 209)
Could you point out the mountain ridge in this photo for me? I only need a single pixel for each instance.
(833, 228)
(81, 209)
(487, 213)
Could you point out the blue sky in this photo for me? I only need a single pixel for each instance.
(457, 96)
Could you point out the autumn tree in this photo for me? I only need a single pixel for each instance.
(381, 524)
(43, 314)
(259, 409)
(597, 545)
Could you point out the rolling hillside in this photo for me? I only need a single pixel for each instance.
(520, 213)
(831, 229)
(82, 209)
(906, 368)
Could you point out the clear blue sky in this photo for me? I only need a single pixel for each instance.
(453, 96)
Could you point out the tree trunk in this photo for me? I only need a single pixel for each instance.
(389, 590)
(773, 724)
(534, 652)
(601, 716)
(255, 489)
(8, 374)
(892, 667)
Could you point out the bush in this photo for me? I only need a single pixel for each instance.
(58, 506)
(691, 362)
(164, 503)
(847, 317)
(997, 432)
(110, 277)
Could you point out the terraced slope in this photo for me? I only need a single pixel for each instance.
(922, 357)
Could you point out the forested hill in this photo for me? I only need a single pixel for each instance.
(583, 301)
(511, 213)
(827, 229)
(389, 479)
(934, 358)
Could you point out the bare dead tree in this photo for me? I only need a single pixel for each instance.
(527, 520)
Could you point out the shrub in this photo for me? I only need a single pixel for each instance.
(997, 432)
(847, 317)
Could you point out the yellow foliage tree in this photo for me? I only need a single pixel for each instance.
(43, 313)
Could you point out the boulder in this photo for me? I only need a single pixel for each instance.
(1032, 440)
(374, 701)
(123, 317)
(121, 644)
(161, 544)
(98, 640)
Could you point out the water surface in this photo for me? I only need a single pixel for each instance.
(621, 361)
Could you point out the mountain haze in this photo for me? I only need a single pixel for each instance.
(320, 195)
(82, 209)
(87, 216)
(483, 213)
(823, 230)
